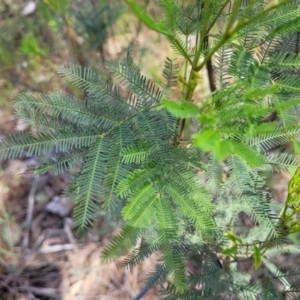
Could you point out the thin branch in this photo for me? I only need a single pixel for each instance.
(47, 292)
(210, 72)
(29, 213)
(16, 81)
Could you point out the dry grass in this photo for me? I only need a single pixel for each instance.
(85, 277)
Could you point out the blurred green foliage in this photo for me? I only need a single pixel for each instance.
(51, 32)
(30, 46)
(59, 6)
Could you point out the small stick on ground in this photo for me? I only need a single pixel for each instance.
(29, 213)
(68, 231)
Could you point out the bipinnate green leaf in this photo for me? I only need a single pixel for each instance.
(210, 140)
(139, 201)
(223, 149)
(207, 139)
(257, 257)
(89, 186)
(252, 157)
(230, 251)
(120, 243)
(167, 238)
(296, 145)
(180, 109)
(232, 237)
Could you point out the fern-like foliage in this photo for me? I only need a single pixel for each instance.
(186, 196)
(126, 155)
